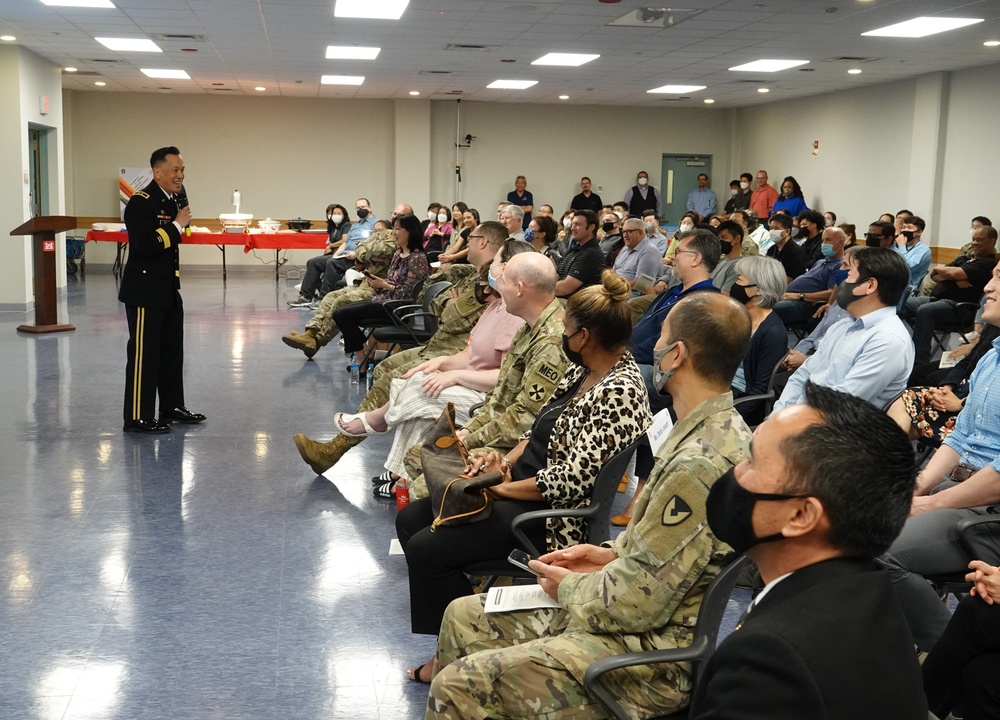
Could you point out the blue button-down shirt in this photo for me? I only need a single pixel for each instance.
(359, 231)
(918, 259)
(976, 436)
(702, 202)
(870, 358)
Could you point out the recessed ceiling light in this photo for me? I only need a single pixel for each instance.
(260, 88)
(129, 44)
(371, 9)
(922, 27)
(676, 89)
(991, 43)
(166, 74)
(709, 101)
(763, 90)
(768, 65)
(347, 52)
(70, 69)
(511, 84)
(8, 38)
(854, 71)
(565, 59)
(79, 3)
(100, 84)
(414, 92)
(564, 97)
(342, 79)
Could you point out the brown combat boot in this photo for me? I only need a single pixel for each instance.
(323, 456)
(306, 342)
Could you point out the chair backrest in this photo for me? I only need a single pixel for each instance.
(713, 605)
(432, 291)
(603, 493)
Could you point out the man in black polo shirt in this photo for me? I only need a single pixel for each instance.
(784, 249)
(586, 200)
(961, 280)
(583, 263)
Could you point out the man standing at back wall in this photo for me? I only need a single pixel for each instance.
(586, 200)
(155, 218)
(764, 197)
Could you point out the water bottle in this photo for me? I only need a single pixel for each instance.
(354, 369)
(368, 379)
(402, 493)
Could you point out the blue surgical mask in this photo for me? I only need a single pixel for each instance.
(827, 250)
(491, 280)
(840, 276)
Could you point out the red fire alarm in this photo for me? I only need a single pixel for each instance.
(48, 245)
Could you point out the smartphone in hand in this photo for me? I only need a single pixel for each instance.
(521, 558)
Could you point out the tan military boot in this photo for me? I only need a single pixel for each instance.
(323, 456)
(306, 342)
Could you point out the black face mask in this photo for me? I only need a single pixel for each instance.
(608, 227)
(908, 234)
(727, 247)
(362, 213)
(739, 293)
(872, 240)
(845, 293)
(729, 511)
(572, 355)
(482, 292)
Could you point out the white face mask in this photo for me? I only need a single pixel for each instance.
(972, 231)
(643, 182)
(828, 222)
(337, 219)
(442, 218)
(431, 215)
(744, 185)
(732, 191)
(567, 222)
(775, 235)
(685, 227)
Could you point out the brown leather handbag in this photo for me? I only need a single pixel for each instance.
(456, 498)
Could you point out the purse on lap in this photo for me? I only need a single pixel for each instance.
(456, 498)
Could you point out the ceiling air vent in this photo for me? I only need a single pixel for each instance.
(103, 61)
(436, 72)
(851, 59)
(184, 38)
(82, 73)
(470, 48)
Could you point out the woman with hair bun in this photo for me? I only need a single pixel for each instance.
(598, 410)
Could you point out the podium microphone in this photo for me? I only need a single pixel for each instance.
(181, 198)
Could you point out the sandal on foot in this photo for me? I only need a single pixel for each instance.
(341, 420)
(383, 478)
(413, 674)
(385, 491)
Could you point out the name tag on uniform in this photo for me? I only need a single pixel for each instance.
(660, 429)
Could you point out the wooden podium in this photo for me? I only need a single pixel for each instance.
(43, 231)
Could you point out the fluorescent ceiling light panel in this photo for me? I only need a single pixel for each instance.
(768, 65)
(342, 79)
(565, 59)
(79, 3)
(129, 44)
(511, 84)
(371, 9)
(166, 74)
(922, 27)
(677, 89)
(348, 52)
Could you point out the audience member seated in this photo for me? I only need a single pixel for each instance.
(730, 236)
(961, 280)
(826, 490)
(407, 268)
(598, 410)
(880, 234)
(457, 250)
(917, 255)
(437, 234)
(852, 234)
(651, 223)
(753, 231)
(373, 254)
(961, 480)
(583, 262)
(784, 248)
(798, 304)
(791, 200)
(642, 592)
(687, 223)
(962, 668)
(418, 397)
(462, 307)
(760, 281)
(512, 217)
(315, 281)
(639, 256)
(869, 354)
(830, 218)
(610, 236)
(543, 237)
(327, 270)
(810, 239)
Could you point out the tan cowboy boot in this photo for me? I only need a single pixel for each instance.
(323, 456)
(306, 342)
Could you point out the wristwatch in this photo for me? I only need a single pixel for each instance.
(802, 296)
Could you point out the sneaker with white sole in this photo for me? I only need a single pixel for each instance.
(299, 302)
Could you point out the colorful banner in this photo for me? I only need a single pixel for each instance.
(130, 180)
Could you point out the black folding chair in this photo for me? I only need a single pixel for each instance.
(414, 324)
(962, 322)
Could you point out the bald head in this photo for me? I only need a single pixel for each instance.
(534, 271)
(403, 209)
(836, 237)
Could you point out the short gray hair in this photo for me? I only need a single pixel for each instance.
(515, 210)
(767, 274)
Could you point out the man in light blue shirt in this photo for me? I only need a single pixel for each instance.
(359, 231)
(702, 200)
(639, 256)
(651, 223)
(915, 253)
(960, 481)
(869, 354)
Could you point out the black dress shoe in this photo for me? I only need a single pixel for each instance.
(182, 415)
(146, 426)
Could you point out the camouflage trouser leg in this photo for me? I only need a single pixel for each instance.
(500, 665)
(321, 324)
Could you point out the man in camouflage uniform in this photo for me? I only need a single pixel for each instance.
(640, 592)
(530, 370)
(457, 311)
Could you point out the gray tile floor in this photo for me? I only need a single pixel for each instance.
(206, 573)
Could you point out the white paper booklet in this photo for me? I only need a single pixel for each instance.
(517, 597)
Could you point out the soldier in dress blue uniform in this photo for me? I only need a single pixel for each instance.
(150, 289)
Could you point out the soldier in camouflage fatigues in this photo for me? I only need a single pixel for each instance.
(521, 664)
(529, 374)
(374, 253)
